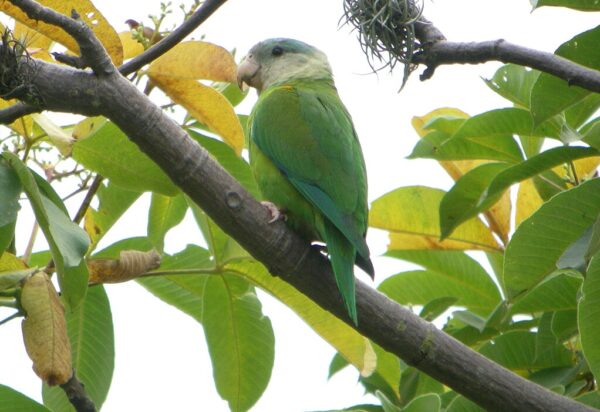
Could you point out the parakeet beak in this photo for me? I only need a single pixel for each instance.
(247, 73)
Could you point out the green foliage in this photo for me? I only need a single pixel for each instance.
(13, 401)
(543, 322)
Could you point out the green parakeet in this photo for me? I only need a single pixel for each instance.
(306, 156)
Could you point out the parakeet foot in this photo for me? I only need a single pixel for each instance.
(274, 211)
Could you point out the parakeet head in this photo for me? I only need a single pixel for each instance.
(277, 61)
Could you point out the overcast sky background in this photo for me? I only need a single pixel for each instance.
(162, 363)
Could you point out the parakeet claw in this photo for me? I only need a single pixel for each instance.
(274, 211)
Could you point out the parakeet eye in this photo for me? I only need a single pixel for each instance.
(277, 51)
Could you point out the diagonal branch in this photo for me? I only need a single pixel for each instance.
(167, 43)
(390, 325)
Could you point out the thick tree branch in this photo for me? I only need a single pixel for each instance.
(164, 45)
(385, 322)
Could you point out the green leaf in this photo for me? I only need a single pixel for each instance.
(425, 403)
(551, 95)
(222, 246)
(514, 83)
(564, 324)
(415, 383)
(354, 347)
(185, 292)
(337, 364)
(591, 398)
(470, 318)
(441, 146)
(91, 335)
(539, 241)
(387, 404)
(471, 204)
(68, 242)
(545, 340)
(387, 371)
(556, 292)
(227, 158)
(434, 308)
(458, 203)
(589, 311)
(577, 114)
(582, 5)
(113, 202)
(7, 234)
(516, 350)
(13, 401)
(240, 340)
(554, 377)
(462, 404)
(499, 123)
(110, 153)
(10, 187)
(165, 213)
(576, 255)
(449, 274)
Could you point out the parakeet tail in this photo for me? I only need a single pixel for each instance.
(342, 255)
(366, 265)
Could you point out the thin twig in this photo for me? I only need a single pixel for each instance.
(174, 38)
(88, 199)
(11, 317)
(14, 112)
(30, 243)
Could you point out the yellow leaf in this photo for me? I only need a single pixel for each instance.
(12, 271)
(419, 122)
(45, 330)
(92, 17)
(195, 60)
(36, 43)
(9, 262)
(131, 47)
(23, 125)
(411, 215)
(586, 167)
(207, 106)
(354, 347)
(131, 264)
(498, 216)
(528, 201)
(87, 127)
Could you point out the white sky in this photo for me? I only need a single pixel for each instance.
(162, 362)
